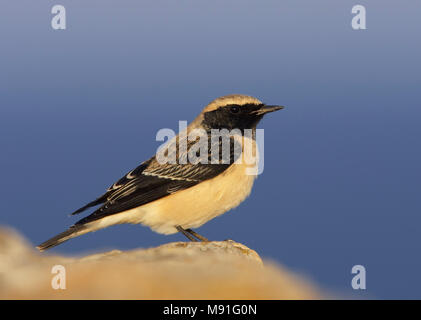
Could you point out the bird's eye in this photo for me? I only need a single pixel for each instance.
(235, 109)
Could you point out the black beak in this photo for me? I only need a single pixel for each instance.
(266, 109)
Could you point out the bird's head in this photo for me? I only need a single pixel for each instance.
(235, 112)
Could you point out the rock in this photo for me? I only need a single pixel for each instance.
(179, 270)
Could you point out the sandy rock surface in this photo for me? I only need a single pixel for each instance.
(178, 270)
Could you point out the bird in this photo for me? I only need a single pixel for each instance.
(181, 196)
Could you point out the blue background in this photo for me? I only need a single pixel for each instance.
(341, 186)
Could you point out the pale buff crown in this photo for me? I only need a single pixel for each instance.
(238, 99)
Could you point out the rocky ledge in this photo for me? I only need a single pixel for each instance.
(178, 270)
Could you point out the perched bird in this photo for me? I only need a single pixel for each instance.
(176, 197)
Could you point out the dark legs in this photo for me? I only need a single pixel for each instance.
(198, 236)
(189, 233)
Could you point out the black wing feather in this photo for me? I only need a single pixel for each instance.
(151, 181)
(94, 203)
